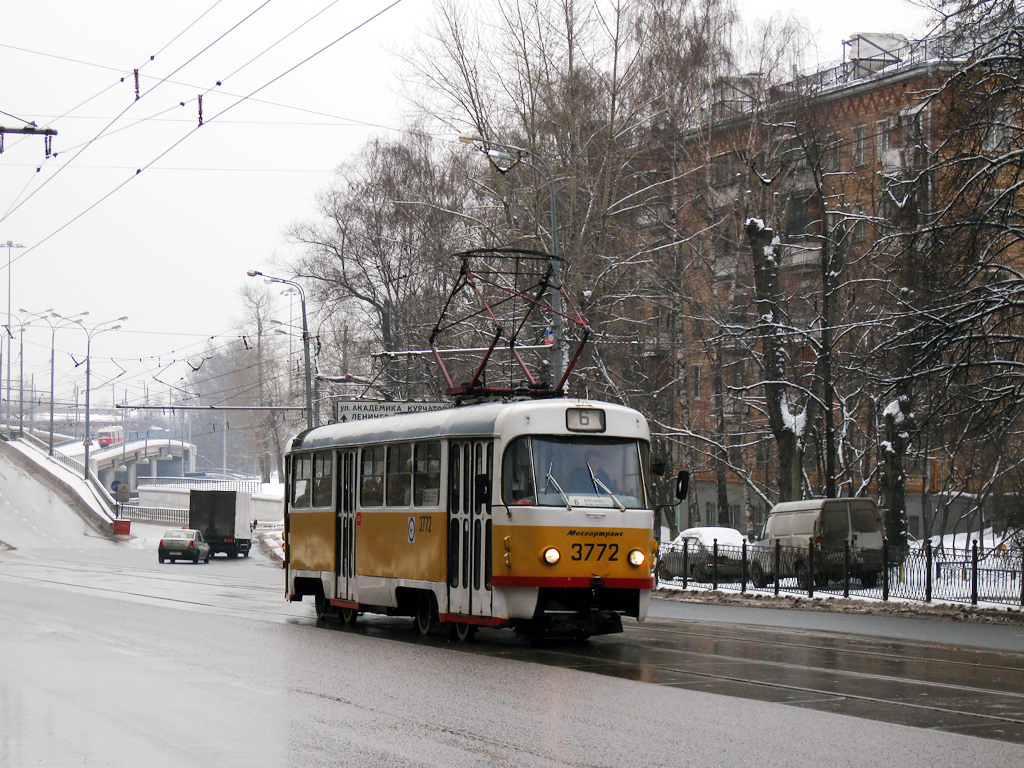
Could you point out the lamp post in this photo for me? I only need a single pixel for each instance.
(305, 340)
(505, 157)
(56, 322)
(7, 421)
(22, 325)
(290, 293)
(96, 330)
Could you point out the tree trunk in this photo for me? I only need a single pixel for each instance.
(787, 427)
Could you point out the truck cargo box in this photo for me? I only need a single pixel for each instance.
(223, 517)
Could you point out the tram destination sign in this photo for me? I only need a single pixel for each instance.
(357, 410)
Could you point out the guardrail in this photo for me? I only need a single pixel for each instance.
(203, 484)
(152, 514)
(917, 574)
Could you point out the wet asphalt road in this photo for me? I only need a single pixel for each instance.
(108, 658)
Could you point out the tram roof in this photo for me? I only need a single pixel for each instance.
(464, 421)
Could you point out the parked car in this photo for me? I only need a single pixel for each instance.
(696, 546)
(829, 524)
(183, 544)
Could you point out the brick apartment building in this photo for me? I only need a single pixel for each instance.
(831, 162)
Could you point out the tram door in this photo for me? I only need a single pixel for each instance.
(469, 527)
(346, 545)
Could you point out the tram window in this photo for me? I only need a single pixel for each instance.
(427, 474)
(302, 476)
(517, 473)
(323, 479)
(371, 484)
(399, 479)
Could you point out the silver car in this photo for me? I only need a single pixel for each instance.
(183, 544)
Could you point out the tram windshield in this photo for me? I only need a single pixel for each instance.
(573, 471)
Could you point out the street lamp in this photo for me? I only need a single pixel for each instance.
(505, 157)
(305, 339)
(96, 330)
(7, 422)
(22, 325)
(56, 322)
(290, 293)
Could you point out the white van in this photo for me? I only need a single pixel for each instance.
(829, 524)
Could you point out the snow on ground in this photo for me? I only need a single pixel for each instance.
(78, 485)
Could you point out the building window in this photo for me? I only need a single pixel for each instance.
(860, 145)
(832, 163)
(881, 137)
(798, 216)
(695, 380)
(1000, 131)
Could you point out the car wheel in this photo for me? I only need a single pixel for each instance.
(246, 553)
(173, 560)
(757, 576)
(206, 560)
(463, 631)
(195, 560)
(160, 558)
(349, 615)
(803, 576)
(232, 555)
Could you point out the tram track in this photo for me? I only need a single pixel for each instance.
(847, 644)
(231, 593)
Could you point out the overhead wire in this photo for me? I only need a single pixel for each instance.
(182, 139)
(122, 113)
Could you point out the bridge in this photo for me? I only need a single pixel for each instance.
(135, 460)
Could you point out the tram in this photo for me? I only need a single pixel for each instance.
(110, 436)
(534, 515)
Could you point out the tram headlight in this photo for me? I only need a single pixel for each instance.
(636, 557)
(551, 556)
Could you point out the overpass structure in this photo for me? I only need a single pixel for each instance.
(134, 461)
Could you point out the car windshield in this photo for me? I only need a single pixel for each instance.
(573, 471)
(178, 534)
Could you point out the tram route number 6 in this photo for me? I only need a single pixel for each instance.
(586, 551)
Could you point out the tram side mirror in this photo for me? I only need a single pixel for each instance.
(658, 467)
(682, 484)
(482, 490)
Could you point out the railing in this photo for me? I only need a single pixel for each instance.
(152, 514)
(920, 574)
(203, 484)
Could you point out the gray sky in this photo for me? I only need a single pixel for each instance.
(169, 246)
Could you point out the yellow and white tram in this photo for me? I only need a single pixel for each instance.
(531, 514)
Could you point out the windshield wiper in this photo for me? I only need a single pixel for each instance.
(600, 486)
(551, 479)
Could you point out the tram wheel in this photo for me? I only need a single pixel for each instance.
(349, 615)
(323, 609)
(463, 631)
(424, 619)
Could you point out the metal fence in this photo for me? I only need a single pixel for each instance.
(152, 514)
(204, 484)
(921, 574)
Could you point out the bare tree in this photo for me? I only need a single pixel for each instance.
(376, 259)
